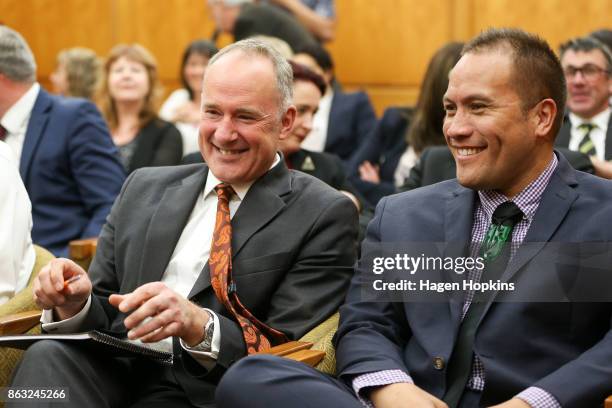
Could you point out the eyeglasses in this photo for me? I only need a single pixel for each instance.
(588, 71)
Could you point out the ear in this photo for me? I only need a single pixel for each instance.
(287, 122)
(543, 117)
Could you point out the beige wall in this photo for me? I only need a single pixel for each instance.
(382, 46)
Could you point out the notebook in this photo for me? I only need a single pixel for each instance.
(100, 342)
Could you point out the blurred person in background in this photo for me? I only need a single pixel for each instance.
(67, 160)
(384, 161)
(344, 120)
(318, 16)
(77, 73)
(128, 94)
(183, 105)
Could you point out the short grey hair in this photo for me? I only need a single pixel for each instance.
(16, 59)
(282, 69)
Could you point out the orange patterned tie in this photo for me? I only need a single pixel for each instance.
(220, 263)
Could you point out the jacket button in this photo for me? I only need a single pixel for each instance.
(438, 363)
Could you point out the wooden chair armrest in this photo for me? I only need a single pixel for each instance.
(298, 351)
(82, 251)
(608, 402)
(288, 348)
(310, 357)
(19, 323)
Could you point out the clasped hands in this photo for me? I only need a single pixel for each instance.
(155, 311)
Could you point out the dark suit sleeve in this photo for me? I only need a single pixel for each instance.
(309, 292)
(365, 119)
(103, 271)
(169, 151)
(371, 334)
(95, 165)
(585, 381)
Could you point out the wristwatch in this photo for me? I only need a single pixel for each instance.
(209, 329)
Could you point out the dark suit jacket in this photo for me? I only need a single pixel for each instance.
(563, 137)
(159, 143)
(293, 245)
(384, 147)
(437, 164)
(563, 348)
(351, 120)
(71, 171)
(264, 19)
(324, 166)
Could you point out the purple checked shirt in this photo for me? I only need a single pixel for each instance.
(528, 201)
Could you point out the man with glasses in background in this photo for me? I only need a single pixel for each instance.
(587, 64)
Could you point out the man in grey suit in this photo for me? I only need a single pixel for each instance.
(292, 247)
(529, 340)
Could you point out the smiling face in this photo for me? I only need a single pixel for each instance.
(496, 145)
(306, 97)
(128, 80)
(241, 123)
(587, 95)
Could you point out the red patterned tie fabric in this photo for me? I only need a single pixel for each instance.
(257, 335)
(2, 133)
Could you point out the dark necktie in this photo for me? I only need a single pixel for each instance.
(586, 145)
(257, 335)
(2, 133)
(496, 251)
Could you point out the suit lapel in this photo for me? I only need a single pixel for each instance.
(261, 204)
(332, 122)
(608, 141)
(556, 201)
(36, 126)
(563, 137)
(168, 223)
(458, 231)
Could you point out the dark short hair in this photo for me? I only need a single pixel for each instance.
(200, 47)
(603, 35)
(303, 73)
(537, 71)
(587, 44)
(319, 54)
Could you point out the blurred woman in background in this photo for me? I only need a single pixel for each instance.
(128, 94)
(77, 73)
(384, 161)
(183, 105)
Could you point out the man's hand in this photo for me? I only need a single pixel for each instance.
(404, 395)
(170, 314)
(51, 293)
(369, 172)
(513, 403)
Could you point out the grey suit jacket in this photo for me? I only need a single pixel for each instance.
(562, 347)
(293, 243)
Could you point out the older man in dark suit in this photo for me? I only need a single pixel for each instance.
(221, 259)
(67, 160)
(529, 340)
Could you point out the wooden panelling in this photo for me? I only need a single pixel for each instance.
(381, 46)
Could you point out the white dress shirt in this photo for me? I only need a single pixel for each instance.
(17, 118)
(17, 254)
(597, 135)
(186, 263)
(316, 139)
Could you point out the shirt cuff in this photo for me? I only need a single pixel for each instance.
(538, 398)
(207, 359)
(378, 379)
(70, 325)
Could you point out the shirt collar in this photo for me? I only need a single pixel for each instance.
(241, 189)
(21, 110)
(600, 120)
(527, 200)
